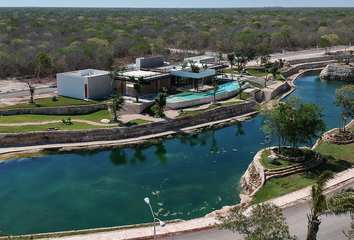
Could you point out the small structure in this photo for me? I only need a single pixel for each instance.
(84, 84)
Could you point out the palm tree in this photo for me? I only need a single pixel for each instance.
(160, 102)
(215, 83)
(341, 202)
(240, 90)
(116, 105)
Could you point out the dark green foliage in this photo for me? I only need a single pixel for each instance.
(265, 222)
(342, 202)
(293, 121)
(116, 105)
(345, 100)
(160, 102)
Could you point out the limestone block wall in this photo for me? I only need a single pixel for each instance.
(43, 137)
(65, 110)
(276, 91)
(297, 68)
(137, 107)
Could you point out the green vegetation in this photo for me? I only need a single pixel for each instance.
(97, 36)
(282, 163)
(244, 96)
(34, 128)
(256, 73)
(136, 122)
(95, 117)
(62, 101)
(264, 221)
(337, 158)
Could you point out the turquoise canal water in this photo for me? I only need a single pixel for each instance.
(223, 88)
(184, 178)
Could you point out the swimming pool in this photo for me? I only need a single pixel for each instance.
(226, 90)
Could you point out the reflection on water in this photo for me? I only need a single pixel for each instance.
(184, 178)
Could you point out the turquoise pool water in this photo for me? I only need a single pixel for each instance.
(184, 178)
(223, 88)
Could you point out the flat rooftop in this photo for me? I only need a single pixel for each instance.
(148, 75)
(85, 72)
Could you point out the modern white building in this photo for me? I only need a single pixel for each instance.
(84, 84)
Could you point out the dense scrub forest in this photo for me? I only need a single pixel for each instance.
(45, 41)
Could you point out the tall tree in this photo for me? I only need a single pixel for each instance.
(231, 59)
(345, 100)
(240, 89)
(43, 61)
(116, 105)
(340, 203)
(160, 102)
(263, 51)
(265, 222)
(215, 84)
(294, 121)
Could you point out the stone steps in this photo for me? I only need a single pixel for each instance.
(300, 167)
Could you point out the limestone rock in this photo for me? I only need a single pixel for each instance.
(273, 159)
(54, 98)
(334, 72)
(105, 121)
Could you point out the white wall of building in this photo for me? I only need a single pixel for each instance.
(71, 86)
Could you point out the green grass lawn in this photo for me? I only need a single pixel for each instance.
(265, 162)
(337, 158)
(96, 117)
(63, 101)
(244, 96)
(34, 128)
(256, 73)
(229, 71)
(74, 126)
(230, 103)
(136, 122)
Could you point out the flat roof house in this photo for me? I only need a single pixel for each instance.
(84, 84)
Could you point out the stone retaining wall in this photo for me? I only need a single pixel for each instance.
(64, 110)
(297, 68)
(256, 175)
(318, 59)
(43, 137)
(276, 91)
(137, 107)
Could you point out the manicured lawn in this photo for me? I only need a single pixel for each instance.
(229, 71)
(230, 103)
(34, 128)
(282, 163)
(256, 73)
(136, 122)
(63, 101)
(244, 96)
(96, 117)
(337, 158)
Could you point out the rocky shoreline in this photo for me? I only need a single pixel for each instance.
(337, 72)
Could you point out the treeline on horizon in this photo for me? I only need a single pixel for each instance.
(79, 38)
